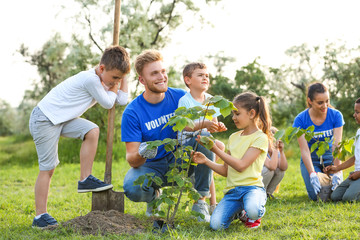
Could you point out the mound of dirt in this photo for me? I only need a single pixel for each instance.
(99, 222)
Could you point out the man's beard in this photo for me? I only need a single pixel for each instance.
(156, 90)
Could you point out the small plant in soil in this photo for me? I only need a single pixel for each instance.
(179, 181)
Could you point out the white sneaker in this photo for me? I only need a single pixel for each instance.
(149, 209)
(212, 208)
(202, 207)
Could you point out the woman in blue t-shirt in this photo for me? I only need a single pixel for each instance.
(328, 123)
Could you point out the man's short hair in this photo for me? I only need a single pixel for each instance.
(116, 57)
(190, 68)
(147, 56)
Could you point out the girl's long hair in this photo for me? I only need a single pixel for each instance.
(249, 101)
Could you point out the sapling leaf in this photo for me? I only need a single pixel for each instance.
(168, 148)
(226, 111)
(308, 136)
(279, 134)
(310, 128)
(222, 103)
(140, 180)
(348, 145)
(180, 111)
(158, 181)
(168, 201)
(153, 144)
(179, 181)
(215, 99)
(289, 133)
(314, 146)
(300, 133)
(181, 123)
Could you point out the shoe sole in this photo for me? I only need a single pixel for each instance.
(43, 228)
(96, 189)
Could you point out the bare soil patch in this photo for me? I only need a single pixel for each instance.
(110, 222)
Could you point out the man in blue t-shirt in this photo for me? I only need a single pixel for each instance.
(143, 120)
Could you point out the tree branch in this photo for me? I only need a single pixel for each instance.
(299, 86)
(167, 23)
(87, 18)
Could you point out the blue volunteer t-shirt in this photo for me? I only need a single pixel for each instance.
(143, 121)
(334, 119)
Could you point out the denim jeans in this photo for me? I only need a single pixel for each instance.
(318, 167)
(160, 167)
(252, 199)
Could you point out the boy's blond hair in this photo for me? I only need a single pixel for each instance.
(147, 56)
(116, 57)
(190, 68)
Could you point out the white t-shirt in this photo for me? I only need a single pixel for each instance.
(72, 97)
(357, 151)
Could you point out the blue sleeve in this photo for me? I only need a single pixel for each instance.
(130, 128)
(298, 122)
(339, 120)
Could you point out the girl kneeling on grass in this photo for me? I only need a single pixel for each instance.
(349, 190)
(244, 193)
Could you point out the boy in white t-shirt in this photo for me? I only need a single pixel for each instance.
(58, 114)
(196, 78)
(349, 190)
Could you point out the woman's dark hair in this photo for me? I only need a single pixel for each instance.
(357, 100)
(249, 101)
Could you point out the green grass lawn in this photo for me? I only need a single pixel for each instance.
(292, 215)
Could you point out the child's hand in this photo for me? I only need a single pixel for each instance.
(330, 169)
(198, 157)
(211, 126)
(207, 145)
(221, 127)
(355, 175)
(280, 145)
(115, 87)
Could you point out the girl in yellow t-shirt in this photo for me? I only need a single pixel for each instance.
(245, 196)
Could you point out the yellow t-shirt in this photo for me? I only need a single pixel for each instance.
(238, 145)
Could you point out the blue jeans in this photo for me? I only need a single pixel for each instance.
(318, 167)
(203, 176)
(252, 199)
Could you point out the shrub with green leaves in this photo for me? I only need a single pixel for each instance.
(344, 148)
(178, 180)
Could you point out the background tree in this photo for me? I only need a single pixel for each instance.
(144, 25)
(7, 115)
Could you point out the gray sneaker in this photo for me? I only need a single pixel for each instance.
(149, 209)
(202, 207)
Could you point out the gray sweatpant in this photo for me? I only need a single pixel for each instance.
(348, 190)
(271, 179)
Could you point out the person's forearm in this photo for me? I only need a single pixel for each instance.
(134, 159)
(283, 164)
(273, 163)
(198, 125)
(218, 168)
(348, 163)
(124, 85)
(230, 160)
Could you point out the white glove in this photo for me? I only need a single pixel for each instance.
(336, 180)
(314, 180)
(145, 152)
